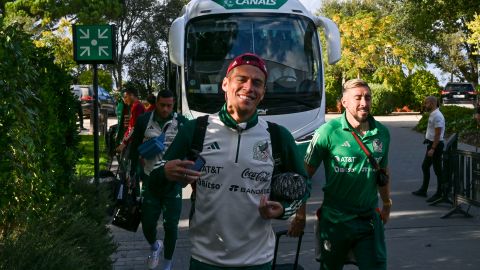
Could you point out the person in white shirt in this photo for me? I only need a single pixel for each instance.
(434, 141)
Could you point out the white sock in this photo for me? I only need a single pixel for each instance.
(167, 264)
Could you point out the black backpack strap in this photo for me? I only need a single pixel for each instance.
(197, 147)
(199, 133)
(274, 131)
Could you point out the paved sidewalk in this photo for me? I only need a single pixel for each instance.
(416, 236)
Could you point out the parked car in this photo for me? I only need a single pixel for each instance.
(459, 93)
(85, 93)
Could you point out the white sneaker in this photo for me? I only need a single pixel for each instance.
(167, 265)
(155, 257)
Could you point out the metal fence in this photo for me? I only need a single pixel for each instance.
(461, 178)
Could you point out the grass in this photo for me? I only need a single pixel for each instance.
(85, 165)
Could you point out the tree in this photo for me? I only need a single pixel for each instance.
(368, 39)
(474, 40)
(134, 12)
(50, 23)
(148, 57)
(441, 26)
(104, 78)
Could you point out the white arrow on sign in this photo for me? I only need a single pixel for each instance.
(102, 35)
(86, 35)
(85, 49)
(101, 49)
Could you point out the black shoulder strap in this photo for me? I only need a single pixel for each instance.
(274, 131)
(199, 133)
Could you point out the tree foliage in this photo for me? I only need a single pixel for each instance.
(144, 27)
(420, 85)
(474, 38)
(104, 78)
(441, 26)
(368, 39)
(372, 49)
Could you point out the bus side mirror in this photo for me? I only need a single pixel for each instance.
(332, 36)
(176, 41)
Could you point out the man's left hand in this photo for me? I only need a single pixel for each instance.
(385, 214)
(269, 209)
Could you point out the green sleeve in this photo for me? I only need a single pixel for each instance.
(317, 148)
(293, 163)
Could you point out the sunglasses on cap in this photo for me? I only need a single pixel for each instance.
(248, 59)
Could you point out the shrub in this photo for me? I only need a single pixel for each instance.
(333, 92)
(39, 133)
(71, 235)
(457, 120)
(383, 99)
(420, 85)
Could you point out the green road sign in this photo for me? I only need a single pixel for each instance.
(244, 4)
(94, 44)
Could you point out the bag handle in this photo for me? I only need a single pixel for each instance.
(369, 155)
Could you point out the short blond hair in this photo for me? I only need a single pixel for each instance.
(353, 83)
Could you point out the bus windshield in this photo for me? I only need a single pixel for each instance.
(288, 44)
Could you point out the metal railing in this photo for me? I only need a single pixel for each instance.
(461, 178)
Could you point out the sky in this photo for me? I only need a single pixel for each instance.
(311, 5)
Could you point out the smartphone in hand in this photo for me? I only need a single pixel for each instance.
(199, 162)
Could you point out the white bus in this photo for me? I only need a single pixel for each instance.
(210, 33)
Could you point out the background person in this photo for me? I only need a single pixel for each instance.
(151, 99)
(433, 155)
(123, 117)
(348, 217)
(231, 226)
(130, 97)
(148, 126)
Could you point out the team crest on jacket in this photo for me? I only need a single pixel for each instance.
(260, 151)
(377, 145)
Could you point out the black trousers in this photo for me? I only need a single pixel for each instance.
(436, 160)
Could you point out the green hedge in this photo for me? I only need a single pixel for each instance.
(37, 123)
(383, 99)
(71, 235)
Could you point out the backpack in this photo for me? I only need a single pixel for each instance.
(273, 129)
(197, 147)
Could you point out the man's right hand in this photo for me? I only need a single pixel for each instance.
(176, 170)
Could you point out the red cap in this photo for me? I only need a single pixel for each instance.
(248, 59)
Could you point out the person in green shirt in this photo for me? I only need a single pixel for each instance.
(150, 125)
(349, 220)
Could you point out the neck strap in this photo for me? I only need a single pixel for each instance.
(369, 155)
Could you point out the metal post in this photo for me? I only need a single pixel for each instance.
(95, 125)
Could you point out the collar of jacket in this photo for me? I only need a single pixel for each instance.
(227, 119)
(371, 122)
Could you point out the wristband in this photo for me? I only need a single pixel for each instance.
(388, 203)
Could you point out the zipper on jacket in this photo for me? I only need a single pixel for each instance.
(238, 143)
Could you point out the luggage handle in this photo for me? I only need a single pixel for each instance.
(279, 234)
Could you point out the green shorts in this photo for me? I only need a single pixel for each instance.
(197, 265)
(356, 235)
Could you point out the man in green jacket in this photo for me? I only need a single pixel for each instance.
(231, 223)
(160, 122)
